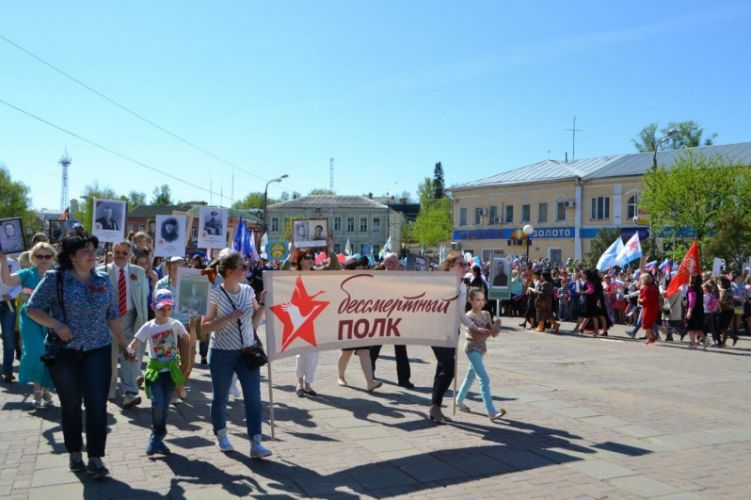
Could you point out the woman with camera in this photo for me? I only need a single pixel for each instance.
(78, 304)
(32, 370)
(233, 315)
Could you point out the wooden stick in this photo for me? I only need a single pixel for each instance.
(271, 404)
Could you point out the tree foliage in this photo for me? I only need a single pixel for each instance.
(688, 135)
(433, 224)
(162, 196)
(604, 238)
(321, 191)
(438, 185)
(425, 192)
(14, 200)
(701, 196)
(136, 198)
(253, 200)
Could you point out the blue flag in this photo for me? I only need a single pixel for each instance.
(608, 258)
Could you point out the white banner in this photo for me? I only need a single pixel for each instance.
(322, 310)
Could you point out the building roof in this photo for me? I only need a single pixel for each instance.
(329, 201)
(153, 210)
(602, 167)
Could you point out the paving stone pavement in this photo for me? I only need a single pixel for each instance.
(587, 418)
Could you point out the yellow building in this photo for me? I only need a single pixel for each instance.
(566, 203)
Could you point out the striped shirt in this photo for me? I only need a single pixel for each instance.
(228, 337)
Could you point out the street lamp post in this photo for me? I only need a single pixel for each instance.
(528, 230)
(266, 199)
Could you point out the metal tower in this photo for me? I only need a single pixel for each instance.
(65, 162)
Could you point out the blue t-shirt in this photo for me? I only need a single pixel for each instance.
(88, 307)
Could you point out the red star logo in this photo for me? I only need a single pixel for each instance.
(298, 315)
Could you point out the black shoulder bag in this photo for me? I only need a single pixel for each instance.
(254, 356)
(53, 343)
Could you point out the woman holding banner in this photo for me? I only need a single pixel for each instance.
(233, 316)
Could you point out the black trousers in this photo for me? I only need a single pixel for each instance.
(403, 371)
(444, 372)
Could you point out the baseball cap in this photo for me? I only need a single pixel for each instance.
(163, 297)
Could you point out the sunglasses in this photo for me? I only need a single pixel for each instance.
(308, 257)
(43, 256)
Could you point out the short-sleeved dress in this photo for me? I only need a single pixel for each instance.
(32, 370)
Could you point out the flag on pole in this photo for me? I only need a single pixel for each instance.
(690, 266)
(264, 244)
(608, 258)
(665, 266)
(348, 248)
(650, 266)
(244, 243)
(630, 251)
(252, 252)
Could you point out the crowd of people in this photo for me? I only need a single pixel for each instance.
(88, 316)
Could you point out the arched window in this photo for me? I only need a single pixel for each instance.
(632, 206)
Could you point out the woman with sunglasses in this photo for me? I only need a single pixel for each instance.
(305, 364)
(32, 370)
(445, 356)
(233, 315)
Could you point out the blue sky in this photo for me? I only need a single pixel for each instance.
(387, 88)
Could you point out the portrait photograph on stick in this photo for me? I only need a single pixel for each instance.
(310, 233)
(11, 236)
(170, 236)
(109, 220)
(212, 227)
(500, 272)
(192, 291)
(56, 230)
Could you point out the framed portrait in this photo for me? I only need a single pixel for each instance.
(109, 220)
(310, 233)
(11, 235)
(212, 227)
(170, 236)
(500, 274)
(192, 292)
(421, 264)
(57, 230)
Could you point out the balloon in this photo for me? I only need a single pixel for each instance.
(341, 258)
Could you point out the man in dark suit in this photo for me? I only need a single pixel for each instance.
(212, 225)
(107, 222)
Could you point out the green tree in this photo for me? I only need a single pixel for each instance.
(438, 187)
(15, 202)
(85, 212)
(162, 196)
(688, 134)
(320, 192)
(433, 224)
(136, 198)
(425, 192)
(695, 197)
(253, 200)
(732, 240)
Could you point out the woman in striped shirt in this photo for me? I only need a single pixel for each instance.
(233, 315)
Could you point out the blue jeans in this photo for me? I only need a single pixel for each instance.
(562, 310)
(477, 368)
(83, 376)
(161, 395)
(222, 365)
(8, 325)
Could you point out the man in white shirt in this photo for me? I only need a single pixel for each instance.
(131, 294)
(8, 321)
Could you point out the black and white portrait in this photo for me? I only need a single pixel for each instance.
(170, 236)
(500, 272)
(212, 231)
(11, 236)
(57, 230)
(310, 233)
(109, 220)
(168, 230)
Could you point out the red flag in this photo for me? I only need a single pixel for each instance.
(691, 266)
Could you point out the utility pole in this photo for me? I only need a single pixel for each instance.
(573, 131)
(64, 162)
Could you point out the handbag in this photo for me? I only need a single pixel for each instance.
(253, 356)
(52, 342)
(541, 303)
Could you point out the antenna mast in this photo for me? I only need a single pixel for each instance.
(65, 162)
(331, 174)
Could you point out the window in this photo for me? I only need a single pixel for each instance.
(508, 217)
(376, 224)
(194, 232)
(478, 216)
(337, 224)
(632, 207)
(376, 250)
(141, 227)
(560, 210)
(275, 224)
(525, 213)
(463, 216)
(338, 247)
(542, 212)
(493, 219)
(350, 224)
(363, 224)
(130, 228)
(600, 208)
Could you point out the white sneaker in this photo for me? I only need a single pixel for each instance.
(222, 441)
(257, 450)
